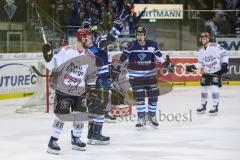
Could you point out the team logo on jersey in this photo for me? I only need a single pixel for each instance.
(93, 49)
(142, 56)
(151, 49)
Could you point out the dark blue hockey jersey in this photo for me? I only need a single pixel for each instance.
(101, 61)
(142, 59)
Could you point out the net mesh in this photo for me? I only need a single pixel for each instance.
(38, 101)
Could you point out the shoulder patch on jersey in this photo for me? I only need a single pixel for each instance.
(151, 49)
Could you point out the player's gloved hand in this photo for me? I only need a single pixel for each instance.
(118, 24)
(224, 68)
(168, 64)
(124, 13)
(191, 68)
(47, 52)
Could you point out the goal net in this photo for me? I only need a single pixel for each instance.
(43, 96)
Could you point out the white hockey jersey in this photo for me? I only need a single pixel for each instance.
(72, 70)
(65, 54)
(211, 58)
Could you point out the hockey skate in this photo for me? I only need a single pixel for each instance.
(152, 120)
(90, 132)
(141, 122)
(53, 147)
(203, 109)
(95, 136)
(77, 144)
(214, 110)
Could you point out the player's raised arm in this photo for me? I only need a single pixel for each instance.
(116, 29)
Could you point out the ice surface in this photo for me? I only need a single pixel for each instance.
(204, 137)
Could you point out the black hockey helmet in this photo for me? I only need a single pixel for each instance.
(141, 29)
(86, 23)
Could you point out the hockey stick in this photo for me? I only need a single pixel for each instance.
(210, 74)
(38, 72)
(45, 42)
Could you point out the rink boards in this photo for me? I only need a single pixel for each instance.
(17, 80)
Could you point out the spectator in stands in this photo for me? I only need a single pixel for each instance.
(211, 27)
(219, 13)
(231, 4)
(131, 24)
(108, 21)
(88, 9)
(81, 18)
(74, 12)
(237, 23)
(224, 26)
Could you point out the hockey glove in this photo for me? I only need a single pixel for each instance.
(191, 68)
(224, 68)
(47, 52)
(118, 24)
(124, 13)
(168, 64)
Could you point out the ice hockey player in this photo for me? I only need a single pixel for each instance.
(213, 59)
(142, 57)
(76, 77)
(97, 109)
